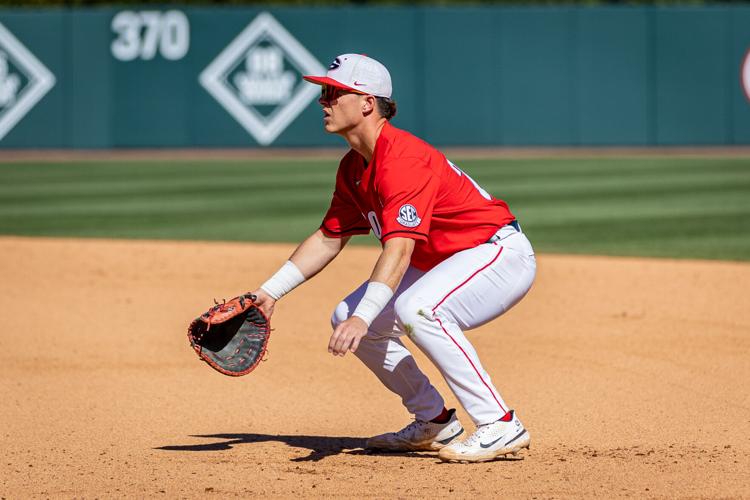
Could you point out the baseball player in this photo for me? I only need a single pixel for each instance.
(453, 258)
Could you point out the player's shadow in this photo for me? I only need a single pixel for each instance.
(319, 446)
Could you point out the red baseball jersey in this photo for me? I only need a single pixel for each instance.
(411, 190)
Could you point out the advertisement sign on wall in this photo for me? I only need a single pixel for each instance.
(23, 81)
(258, 78)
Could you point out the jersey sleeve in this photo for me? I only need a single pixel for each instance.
(343, 217)
(407, 191)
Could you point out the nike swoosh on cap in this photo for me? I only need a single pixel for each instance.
(360, 84)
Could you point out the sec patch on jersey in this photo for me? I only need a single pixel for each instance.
(408, 216)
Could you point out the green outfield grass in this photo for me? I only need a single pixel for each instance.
(670, 207)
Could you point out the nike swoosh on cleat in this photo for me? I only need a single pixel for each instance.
(448, 440)
(498, 439)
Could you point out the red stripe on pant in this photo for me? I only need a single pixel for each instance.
(472, 365)
(469, 278)
(454, 340)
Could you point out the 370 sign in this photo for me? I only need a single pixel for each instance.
(141, 34)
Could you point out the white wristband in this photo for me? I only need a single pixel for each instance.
(284, 281)
(373, 302)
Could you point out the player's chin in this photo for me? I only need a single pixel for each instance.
(329, 126)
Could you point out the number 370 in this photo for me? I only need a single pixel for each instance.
(141, 34)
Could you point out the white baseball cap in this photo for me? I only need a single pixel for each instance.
(356, 72)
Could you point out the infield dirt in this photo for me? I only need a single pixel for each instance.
(631, 375)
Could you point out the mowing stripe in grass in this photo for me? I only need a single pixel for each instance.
(674, 207)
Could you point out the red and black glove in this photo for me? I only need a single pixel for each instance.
(231, 337)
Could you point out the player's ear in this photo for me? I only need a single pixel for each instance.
(368, 105)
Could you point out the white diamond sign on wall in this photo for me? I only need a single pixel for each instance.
(258, 78)
(23, 81)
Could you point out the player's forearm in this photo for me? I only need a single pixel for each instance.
(393, 262)
(316, 252)
(310, 257)
(389, 270)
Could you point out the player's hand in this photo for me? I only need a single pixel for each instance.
(265, 302)
(347, 335)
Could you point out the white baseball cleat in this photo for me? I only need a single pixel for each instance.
(489, 442)
(419, 435)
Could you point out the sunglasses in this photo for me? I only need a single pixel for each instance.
(330, 93)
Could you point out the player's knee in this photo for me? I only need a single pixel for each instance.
(410, 311)
(340, 314)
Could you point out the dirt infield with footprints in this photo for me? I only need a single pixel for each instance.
(630, 374)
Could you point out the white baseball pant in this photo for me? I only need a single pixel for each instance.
(433, 309)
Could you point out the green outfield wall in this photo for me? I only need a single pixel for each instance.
(231, 77)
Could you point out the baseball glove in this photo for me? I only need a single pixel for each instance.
(231, 337)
